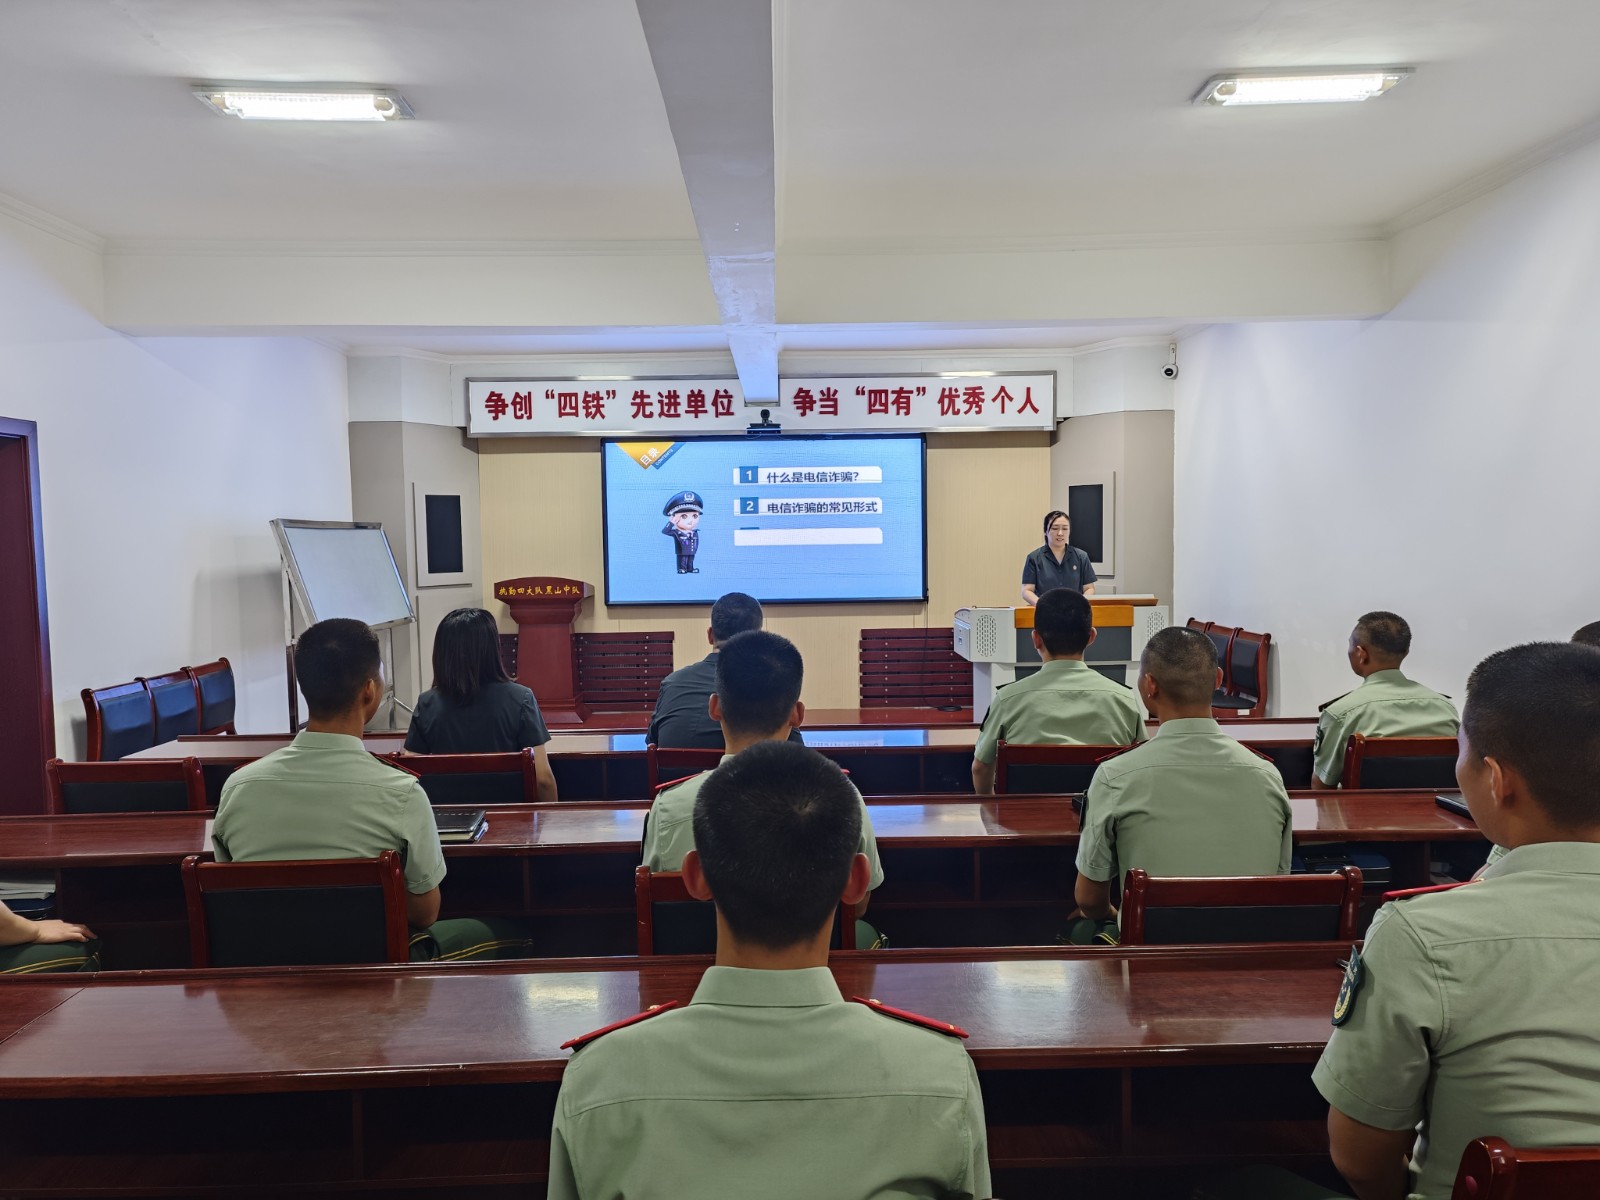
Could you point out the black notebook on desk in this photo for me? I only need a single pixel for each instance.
(460, 824)
(1452, 802)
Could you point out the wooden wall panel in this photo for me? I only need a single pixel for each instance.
(987, 495)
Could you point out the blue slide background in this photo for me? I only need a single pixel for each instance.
(640, 563)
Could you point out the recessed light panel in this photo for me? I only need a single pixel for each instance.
(1341, 86)
(324, 102)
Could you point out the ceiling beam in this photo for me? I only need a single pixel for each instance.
(713, 61)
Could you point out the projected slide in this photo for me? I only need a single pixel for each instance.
(791, 518)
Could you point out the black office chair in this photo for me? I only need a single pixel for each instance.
(313, 912)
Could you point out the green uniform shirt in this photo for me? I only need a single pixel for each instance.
(1476, 1014)
(1191, 801)
(769, 1084)
(324, 796)
(669, 829)
(1064, 702)
(1387, 704)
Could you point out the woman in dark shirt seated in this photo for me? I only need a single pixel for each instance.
(473, 707)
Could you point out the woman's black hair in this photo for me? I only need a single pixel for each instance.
(1051, 516)
(466, 654)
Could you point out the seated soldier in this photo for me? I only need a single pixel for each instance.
(1470, 1012)
(32, 947)
(1190, 801)
(1065, 701)
(682, 718)
(757, 700)
(1387, 704)
(324, 796)
(769, 1083)
(1589, 635)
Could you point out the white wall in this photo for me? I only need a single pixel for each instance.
(1440, 461)
(161, 461)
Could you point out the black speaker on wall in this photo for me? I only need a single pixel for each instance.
(1086, 506)
(443, 553)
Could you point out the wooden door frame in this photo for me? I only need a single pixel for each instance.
(28, 433)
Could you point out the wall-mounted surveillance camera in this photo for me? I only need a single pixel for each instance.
(1170, 371)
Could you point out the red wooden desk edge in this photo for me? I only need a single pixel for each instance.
(1308, 957)
(1453, 828)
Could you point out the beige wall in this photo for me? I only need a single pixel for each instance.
(986, 497)
(1137, 446)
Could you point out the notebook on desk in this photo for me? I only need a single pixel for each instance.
(1452, 802)
(460, 824)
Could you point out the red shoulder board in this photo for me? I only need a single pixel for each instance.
(390, 762)
(901, 1014)
(1407, 893)
(655, 1010)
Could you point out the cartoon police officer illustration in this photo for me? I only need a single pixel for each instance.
(683, 525)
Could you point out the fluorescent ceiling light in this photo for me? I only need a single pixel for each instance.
(309, 102)
(1343, 85)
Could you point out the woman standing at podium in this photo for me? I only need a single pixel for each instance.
(1056, 564)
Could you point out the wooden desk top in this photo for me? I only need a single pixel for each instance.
(903, 739)
(40, 843)
(221, 1032)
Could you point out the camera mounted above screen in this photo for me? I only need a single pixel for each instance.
(766, 427)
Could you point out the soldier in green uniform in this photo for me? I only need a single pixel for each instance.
(757, 700)
(1065, 701)
(1190, 801)
(33, 947)
(1589, 635)
(324, 796)
(1470, 1012)
(1387, 704)
(769, 1083)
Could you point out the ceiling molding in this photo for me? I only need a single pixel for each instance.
(234, 248)
(914, 247)
(1495, 177)
(49, 223)
(357, 351)
(1037, 352)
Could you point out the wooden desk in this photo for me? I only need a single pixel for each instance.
(885, 760)
(1091, 1061)
(958, 871)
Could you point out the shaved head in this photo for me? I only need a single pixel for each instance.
(1183, 662)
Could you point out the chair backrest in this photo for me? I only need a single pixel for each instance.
(1222, 638)
(670, 921)
(1241, 908)
(474, 780)
(176, 702)
(1044, 769)
(137, 785)
(1493, 1169)
(213, 682)
(672, 763)
(1400, 762)
(1247, 665)
(290, 914)
(120, 719)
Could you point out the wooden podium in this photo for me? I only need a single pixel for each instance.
(544, 607)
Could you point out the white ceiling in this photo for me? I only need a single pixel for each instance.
(949, 119)
(538, 121)
(896, 118)
(927, 124)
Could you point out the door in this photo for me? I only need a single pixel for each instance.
(27, 712)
